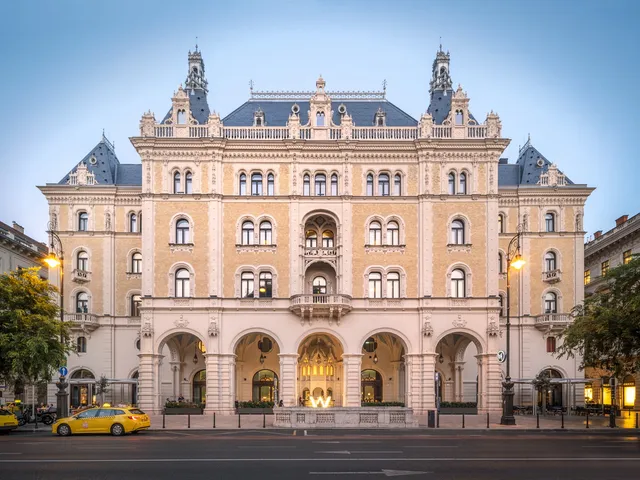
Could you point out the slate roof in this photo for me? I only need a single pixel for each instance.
(526, 170)
(276, 113)
(199, 106)
(440, 106)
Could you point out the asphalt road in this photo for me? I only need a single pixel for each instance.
(240, 455)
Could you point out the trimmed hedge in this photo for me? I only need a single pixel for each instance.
(173, 404)
(254, 404)
(382, 404)
(458, 405)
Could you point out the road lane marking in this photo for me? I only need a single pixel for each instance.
(266, 446)
(385, 472)
(430, 446)
(10, 453)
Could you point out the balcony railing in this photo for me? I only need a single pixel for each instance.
(80, 276)
(331, 306)
(83, 321)
(320, 251)
(552, 276)
(553, 321)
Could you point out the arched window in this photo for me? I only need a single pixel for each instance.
(256, 184)
(306, 185)
(136, 303)
(265, 386)
(183, 283)
(311, 239)
(327, 239)
(136, 263)
(397, 184)
(188, 182)
(133, 223)
(320, 184)
(459, 117)
(242, 187)
(501, 223)
(550, 262)
(334, 184)
(500, 263)
(458, 284)
(452, 183)
(246, 285)
(83, 261)
(457, 232)
(319, 286)
(320, 119)
(551, 344)
(393, 233)
(383, 184)
(375, 285)
(82, 302)
(83, 221)
(81, 345)
(375, 233)
(182, 232)
(369, 185)
(462, 190)
(550, 303)
(271, 184)
(182, 117)
(140, 222)
(177, 183)
(265, 233)
(393, 285)
(247, 232)
(266, 285)
(550, 222)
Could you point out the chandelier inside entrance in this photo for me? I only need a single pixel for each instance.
(318, 372)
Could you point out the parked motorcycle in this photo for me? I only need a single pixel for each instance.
(25, 416)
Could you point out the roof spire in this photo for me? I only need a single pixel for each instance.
(195, 78)
(196, 44)
(440, 79)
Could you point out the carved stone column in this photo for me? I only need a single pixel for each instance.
(352, 379)
(458, 369)
(227, 382)
(288, 379)
(213, 383)
(175, 379)
(491, 383)
(428, 401)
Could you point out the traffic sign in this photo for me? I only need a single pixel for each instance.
(63, 371)
(502, 356)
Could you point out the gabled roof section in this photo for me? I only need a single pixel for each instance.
(198, 104)
(101, 161)
(531, 164)
(276, 112)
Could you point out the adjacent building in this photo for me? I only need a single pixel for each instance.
(317, 244)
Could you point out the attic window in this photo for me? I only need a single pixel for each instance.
(93, 160)
(459, 117)
(258, 118)
(380, 118)
(182, 117)
(320, 119)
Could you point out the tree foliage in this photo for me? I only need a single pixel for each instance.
(30, 329)
(606, 328)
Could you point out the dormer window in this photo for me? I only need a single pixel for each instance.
(258, 118)
(380, 118)
(459, 117)
(182, 117)
(320, 119)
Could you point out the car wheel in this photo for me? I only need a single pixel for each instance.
(117, 430)
(64, 430)
(47, 420)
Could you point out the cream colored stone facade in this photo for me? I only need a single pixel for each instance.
(324, 333)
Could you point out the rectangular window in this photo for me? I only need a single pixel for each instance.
(375, 285)
(605, 268)
(247, 285)
(587, 277)
(626, 257)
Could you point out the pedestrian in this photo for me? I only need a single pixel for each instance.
(281, 404)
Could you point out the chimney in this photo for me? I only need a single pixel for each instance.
(18, 227)
(621, 220)
(598, 234)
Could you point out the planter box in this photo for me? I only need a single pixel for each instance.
(254, 411)
(458, 410)
(182, 411)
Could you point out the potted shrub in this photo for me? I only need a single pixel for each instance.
(182, 408)
(254, 408)
(458, 408)
(382, 404)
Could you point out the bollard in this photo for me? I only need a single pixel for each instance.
(189, 420)
(162, 419)
(537, 420)
(463, 420)
(264, 419)
(238, 419)
(636, 420)
(487, 419)
(562, 418)
(438, 419)
(214, 419)
(587, 418)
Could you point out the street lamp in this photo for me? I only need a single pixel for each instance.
(55, 259)
(515, 260)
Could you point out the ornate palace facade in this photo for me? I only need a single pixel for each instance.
(316, 244)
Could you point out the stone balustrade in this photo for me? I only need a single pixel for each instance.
(344, 417)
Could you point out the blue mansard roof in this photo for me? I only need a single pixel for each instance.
(199, 106)
(527, 169)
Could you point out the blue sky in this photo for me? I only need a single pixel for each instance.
(565, 71)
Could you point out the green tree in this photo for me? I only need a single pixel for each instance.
(30, 329)
(606, 328)
(542, 384)
(103, 387)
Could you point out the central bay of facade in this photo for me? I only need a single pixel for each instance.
(317, 247)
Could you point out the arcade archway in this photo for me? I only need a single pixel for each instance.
(383, 369)
(257, 361)
(457, 372)
(320, 370)
(182, 369)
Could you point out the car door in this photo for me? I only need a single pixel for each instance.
(84, 422)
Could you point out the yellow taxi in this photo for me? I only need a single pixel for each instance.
(8, 421)
(106, 419)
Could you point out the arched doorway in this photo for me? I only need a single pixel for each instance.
(320, 369)
(82, 393)
(257, 361)
(265, 386)
(199, 387)
(628, 391)
(371, 386)
(182, 367)
(457, 371)
(553, 396)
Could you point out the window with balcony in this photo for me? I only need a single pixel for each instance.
(462, 189)
(188, 182)
(587, 277)
(369, 185)
(327, 239)
(626, 257)
(551, 344)
(550, 262)
(550, 303)
(242, 184)
(320, 184)
(266, 233)
(136, 303)
(271, 185)
(457, 232)
(247, 232)
(306, 185)
(375, 233)
(81, 345)
(458, 284)
(83, 221)
(183, 283)
(452, 183)
(604, 267)
(266, 285)
(393, 285)
(383, 185)
(334, 184)
(397, 184)
(311, 239)
(182, 232)
(82, 302)
(550, 222)
(133, 223)
(375, 285)
(393, 233)
(256, 184)
(83, 261)
(246, 285)
(177, 183)
(319, 285)
(136, 263)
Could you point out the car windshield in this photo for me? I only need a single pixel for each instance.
(136, 411)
